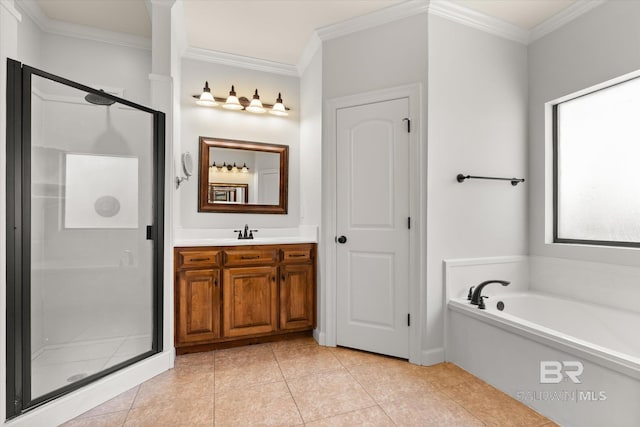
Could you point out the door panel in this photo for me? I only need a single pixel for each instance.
(372, 213)
(250, 301)
(296, 296)
(198, 306)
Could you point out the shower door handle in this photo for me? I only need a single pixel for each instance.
(149, 232)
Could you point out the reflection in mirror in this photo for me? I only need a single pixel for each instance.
(242, 176)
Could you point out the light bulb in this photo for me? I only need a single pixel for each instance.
(256, 104)
(232, 102)
(206, 99)
(279, 108)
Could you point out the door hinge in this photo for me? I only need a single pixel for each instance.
(408, 319)
(149, 232)
(408, 120)
(409, 223)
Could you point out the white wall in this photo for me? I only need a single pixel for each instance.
(381, 57)
(311, 142)
(598, 46)
(217, 122)
(477, 123)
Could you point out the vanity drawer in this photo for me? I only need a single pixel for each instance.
(295, 254)
(250, 256)
(194, 258)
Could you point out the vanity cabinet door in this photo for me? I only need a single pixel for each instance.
(250, 301)
(197, 306)
(297, 296)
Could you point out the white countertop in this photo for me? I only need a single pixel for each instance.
(224, 237)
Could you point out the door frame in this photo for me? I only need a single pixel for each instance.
(417, 208)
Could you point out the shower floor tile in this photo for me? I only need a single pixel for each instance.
(346, 388)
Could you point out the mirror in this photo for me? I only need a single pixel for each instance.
(242, 176)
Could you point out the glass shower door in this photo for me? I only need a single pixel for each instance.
(90, 284)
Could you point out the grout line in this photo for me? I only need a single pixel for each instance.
(287, 384)
(215, 375)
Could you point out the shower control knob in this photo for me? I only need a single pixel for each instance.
(341, 239)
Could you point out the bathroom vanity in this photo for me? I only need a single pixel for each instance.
(234, 295)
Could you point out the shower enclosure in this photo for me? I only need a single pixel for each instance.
(84, 235)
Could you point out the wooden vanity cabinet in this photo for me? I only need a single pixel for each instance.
(243, 294)
(197, 302)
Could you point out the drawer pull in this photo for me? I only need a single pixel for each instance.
(250, 257)
(296, 255)
(197, 259)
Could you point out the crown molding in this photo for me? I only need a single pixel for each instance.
(565, 16)
(308, 53)
(233, 60)
(52, 26)
(477, 20)
(373, 19)
(10, 7)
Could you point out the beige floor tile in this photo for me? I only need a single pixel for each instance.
(262, 405)
(296, 342)
(254, 373)
(306, 360)
(492, 406)
(401, 389)
(204, 358)
(370, 417)
(183, 384)
(349, 357)
(181, 412)
(122, 402)
(423, 411)
(445, 375)
(382, 373)
(114, 419)
(236, 358)
(328, 393)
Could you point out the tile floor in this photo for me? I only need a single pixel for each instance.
(297, 382)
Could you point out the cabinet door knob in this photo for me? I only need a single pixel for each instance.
(273, 278)
(215, 282)
(342, 239)
(284, 277)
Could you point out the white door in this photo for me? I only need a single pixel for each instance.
(372, 215)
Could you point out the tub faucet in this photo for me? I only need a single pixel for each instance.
(477, 293)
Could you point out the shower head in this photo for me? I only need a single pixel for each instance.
(97, 99)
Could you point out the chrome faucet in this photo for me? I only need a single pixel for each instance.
(477, 293)
(248, 234)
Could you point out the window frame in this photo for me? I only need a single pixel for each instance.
(555, 146)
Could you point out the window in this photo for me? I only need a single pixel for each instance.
(596, 138)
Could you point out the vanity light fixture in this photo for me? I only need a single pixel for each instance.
(233, 102)
(206, 98)
(278, 108)
(256, 104)
(226, 168)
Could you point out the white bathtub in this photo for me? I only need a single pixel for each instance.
(507, 349)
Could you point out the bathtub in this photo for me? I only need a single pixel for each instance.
(576, 363)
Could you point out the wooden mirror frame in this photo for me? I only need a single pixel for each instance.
(203, 179)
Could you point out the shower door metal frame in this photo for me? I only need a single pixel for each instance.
(18, 227)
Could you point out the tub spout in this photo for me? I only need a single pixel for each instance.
(477, 293)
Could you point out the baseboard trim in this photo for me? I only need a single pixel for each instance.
(433, 356)
(319, 337)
